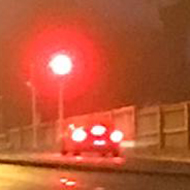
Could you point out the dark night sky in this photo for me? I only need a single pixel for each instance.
(144, 44)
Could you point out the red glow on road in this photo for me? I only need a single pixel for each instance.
(75, 42)
(67, 183)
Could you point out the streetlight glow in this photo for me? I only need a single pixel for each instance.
(61, 64)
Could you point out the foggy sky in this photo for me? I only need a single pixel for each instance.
(145, 43)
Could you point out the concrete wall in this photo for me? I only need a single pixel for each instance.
(3, 141)
(147, 126)
(124, 119)
(164, 126)
(46, 136)
(22, 138)
(174, 124)
(15, 139)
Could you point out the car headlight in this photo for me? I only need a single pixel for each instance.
(79, 135)
(116, 136)
(98, 130)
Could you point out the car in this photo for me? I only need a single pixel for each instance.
(94, 138)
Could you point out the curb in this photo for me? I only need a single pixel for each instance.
(146, 166)
(59, 165)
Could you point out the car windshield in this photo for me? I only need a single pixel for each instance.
(94, 94)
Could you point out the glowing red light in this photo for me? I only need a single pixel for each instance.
(116, 136)
(79, 135)
(98, 130)
(61, 64)
(62, 41)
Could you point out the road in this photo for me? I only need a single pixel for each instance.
(33, 178)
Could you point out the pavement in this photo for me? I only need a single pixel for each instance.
(56, 160)
(135, 161)
(34, 178)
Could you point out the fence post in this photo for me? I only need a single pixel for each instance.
(187, 122)
(161, 128)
